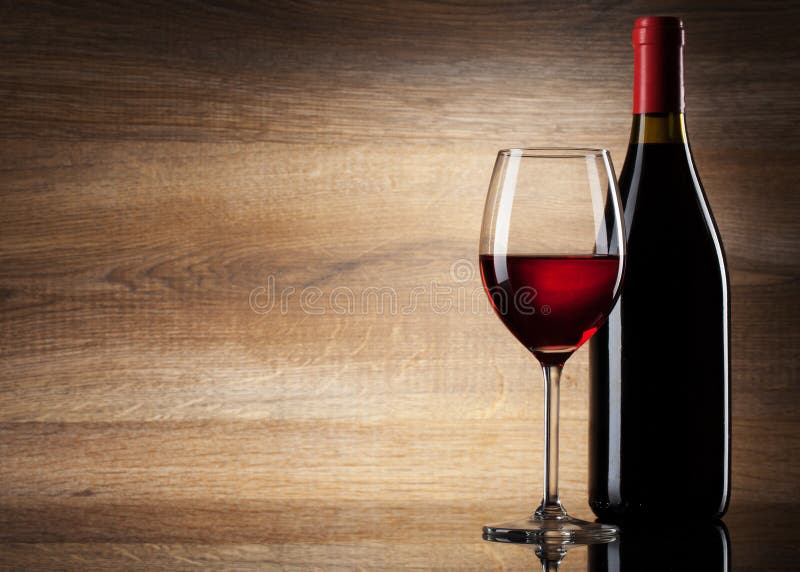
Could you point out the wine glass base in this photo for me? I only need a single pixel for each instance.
(541, 531)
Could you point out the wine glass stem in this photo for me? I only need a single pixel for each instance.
(548, 566)
(551, 505)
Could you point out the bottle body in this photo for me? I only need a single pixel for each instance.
(660, 367)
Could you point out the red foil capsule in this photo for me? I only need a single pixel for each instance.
(658, 65)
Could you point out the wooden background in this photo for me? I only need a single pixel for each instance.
(162, 165)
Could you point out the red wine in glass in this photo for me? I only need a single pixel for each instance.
(552, 304)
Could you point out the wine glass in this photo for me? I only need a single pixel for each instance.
(552, 255)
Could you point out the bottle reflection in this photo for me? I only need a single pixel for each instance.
(703, 546)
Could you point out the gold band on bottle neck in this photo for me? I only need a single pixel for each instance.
(658, 128)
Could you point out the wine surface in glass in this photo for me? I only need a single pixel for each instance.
(551, 303)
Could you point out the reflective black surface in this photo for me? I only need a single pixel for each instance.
(703, 547)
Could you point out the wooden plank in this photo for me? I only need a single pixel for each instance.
(470, 461)
(284, 557)
(278, 460)
(355, 71)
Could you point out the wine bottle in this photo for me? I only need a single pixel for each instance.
(659, 435)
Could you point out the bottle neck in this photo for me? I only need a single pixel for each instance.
(658, 128)
(658, 65)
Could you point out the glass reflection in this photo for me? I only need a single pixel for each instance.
(552, 556)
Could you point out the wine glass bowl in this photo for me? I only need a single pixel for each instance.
(552, 255)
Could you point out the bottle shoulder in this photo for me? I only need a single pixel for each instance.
(660, 187)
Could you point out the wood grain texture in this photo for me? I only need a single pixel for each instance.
(442, 540)
(290, 557)
(163, 165)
